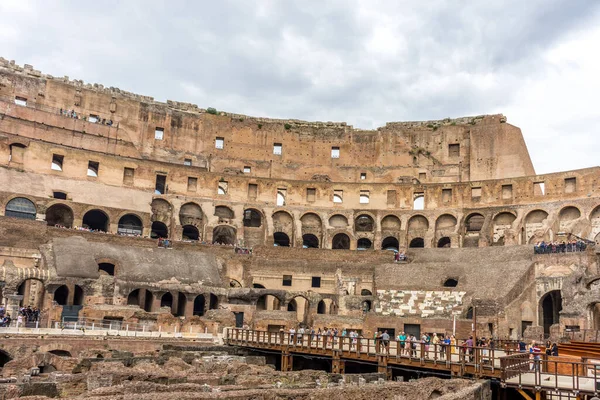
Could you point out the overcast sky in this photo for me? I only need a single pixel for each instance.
(364, 62)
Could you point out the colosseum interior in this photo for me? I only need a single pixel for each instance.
(120, 209)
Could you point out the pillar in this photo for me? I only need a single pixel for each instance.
(189, 308)
(338, 366)
(71, 296)
(175, 303)
(286, 361)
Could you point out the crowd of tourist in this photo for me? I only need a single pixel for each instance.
(559, 247)
(96, 120)
(400, 256)
(26, 314)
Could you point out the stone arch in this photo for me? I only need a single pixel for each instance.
(96, 220)
(445, 223)
(283, 222)
(159, 230)
(473, 226)
(503, 222)
(534, 226)
(390, 223)
(366, 292)
(130, 225)
(252, 218)
(550, 306)
(59, 215)
(213, 301)
(418, 223)
(338, 221)
(364, 244)
(162, 211)
(390, 243)
(61, 353)
(281, 239)
(224, 234)
(595, 222)
(106, 268)
(341, 241)
(566, 218)
(268, 302)
(190, 232)
(312, 228)
(224, 213)
(301, 305)
(20, 207)
(5, 357)
(191, 214)
(444, 242)
(321, 307)
(199, 305)
(61, 295)
(166, 300)
(364, 223)
(310, 241)
(417, 242)
(133, 298)
(33, 292)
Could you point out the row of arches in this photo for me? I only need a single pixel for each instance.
(192, 219)
(178, 302)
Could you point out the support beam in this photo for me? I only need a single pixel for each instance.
(525, 395)
(338, 366)
(287, 362)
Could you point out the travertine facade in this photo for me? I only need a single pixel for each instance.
(460, 196)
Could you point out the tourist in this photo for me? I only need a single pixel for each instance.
(299, 336)
(548, 349)
(535, 356)
(554, 349)
(401, 342)
(436, 343)
(292, 333)
(469, 348)
(453, 343)
(385, 339)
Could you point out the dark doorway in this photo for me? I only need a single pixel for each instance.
(107, 268)
(199, 305)
(166, 300)
(224, 234)
(78, 297)
(413, 329)
(181, 303)
(321, 308)
(133, 299)
(4, 358)
(417, 243)
(281, 239)
(59, 215)
(130, 225)
(390, 243)
(95, 220)
(159, 230)
(363, 244)
(61, 295)
(443, 242)
(239, 319)
(214, 302)
(341, 241)
(149, 301)
(310, 241)
(252, 218)
(551, 305)
(190, 232)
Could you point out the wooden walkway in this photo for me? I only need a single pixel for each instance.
(511, 368)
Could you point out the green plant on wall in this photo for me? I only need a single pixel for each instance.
(211, 110)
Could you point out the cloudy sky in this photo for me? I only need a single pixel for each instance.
(365, 62)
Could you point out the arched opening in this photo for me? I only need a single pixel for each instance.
(4, 358)
(595, 221)
(224, 234)
(33, 293)
(292, 306)
(159, 230)
(149, 301)
(417, 243)
(166, 300)
(451, 282)
(469, 314)
(130, 225)
(364, 223)
(199, 303)
(300, 305)
(310, 241)
(214, 302)
(268, 302)
(47, 369)
(443, 242)
(418, 225)
(321, 308)
(281, 239)
(390, 223)
(235, 284)
(61, 295)
(61, 353)
(390, 243)
(338, 221)
(190, 232)
(534, 226)
(258, 286)
(474, 222)
(366, 292)
(418, 202)
(280, 198)
(106, 269)
(341, 241)
(366, 306)
(252, 218)
(363, 244)
(59, 215)
(224, 213)
(567, 218)
(191, 214)
(550, 307)
(446, 223)
(502, 224)
(96, 220)
(181, 304)
(78, 296)
(20, 207)
(133, 299)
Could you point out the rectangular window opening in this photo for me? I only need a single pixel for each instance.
(252, 191)
(454, 150)
(507, 192)
(161, 184)
(187, 162)
(287, 280)
(93, 167)
(570, 185)
(446, 195)
(391, 198)
(422, 176)
(158, 133)
(219, 143)
(419, 201)
(364, 197)
(21, 101)
(192, 184)
(247, 170)
(316, 281)
(222, 187)
(476, 193)
(311, 195)
(281, 196)
(363, 176)
(277, 149)
(335, 152)
(59, 195)
(128, 174)
(57, 162)
(93, 118)
(539, 188)
(338, 196)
